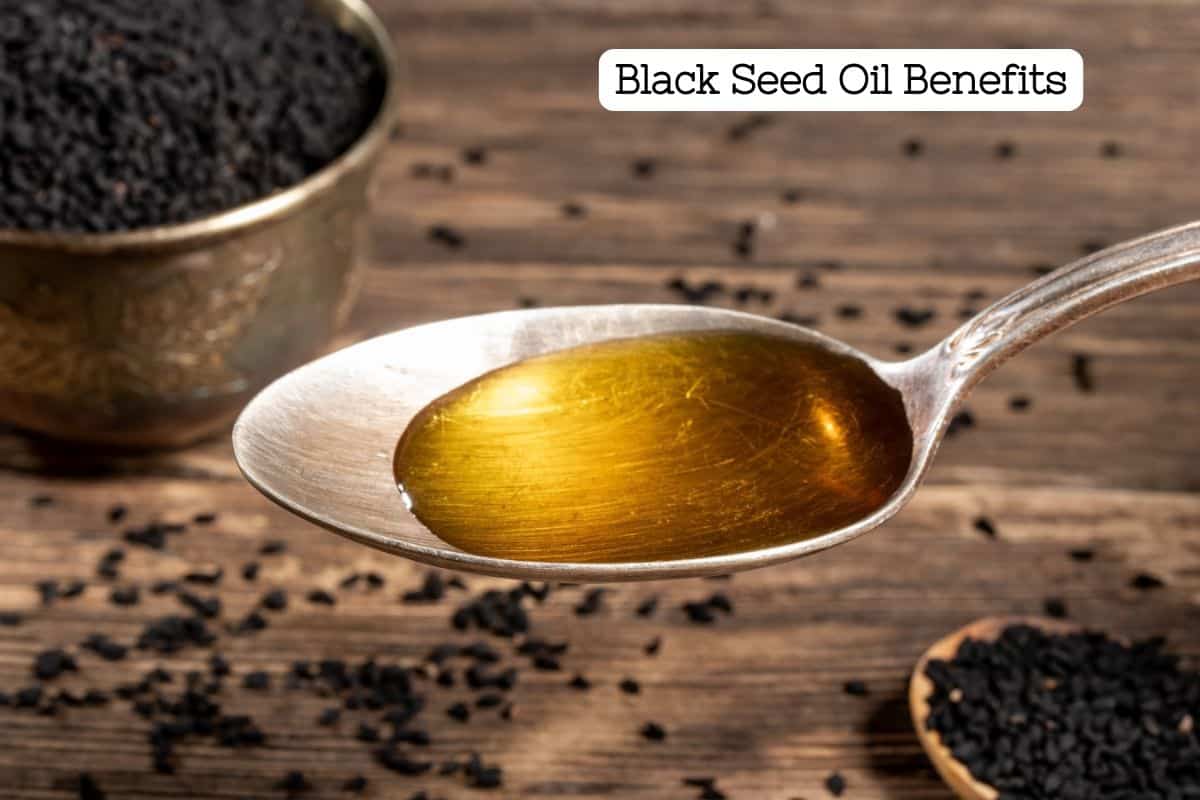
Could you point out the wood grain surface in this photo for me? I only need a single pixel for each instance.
(756, 699)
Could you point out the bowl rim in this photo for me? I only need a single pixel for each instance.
(255, 213)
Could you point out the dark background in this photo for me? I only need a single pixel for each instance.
(912, 210)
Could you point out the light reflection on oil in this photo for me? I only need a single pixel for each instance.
(658, 448)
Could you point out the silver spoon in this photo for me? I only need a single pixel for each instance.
(320, 440)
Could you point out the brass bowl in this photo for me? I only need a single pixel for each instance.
(157, 337)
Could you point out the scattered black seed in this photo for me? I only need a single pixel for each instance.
(1091, 246)
(321, 597)
(275, 600)
(125, 596)
(294, 782)
(489, 700)
(392, 759)
(253, 622)
(1055, 607)
(1111, 150)
(432, 590)
(250, 570)
(593, 601)
(206, 607)
(855, 688)
(153, 535)
(272, 547)
(444, 234)
(903, 348)
(172, 633)
(793, 196)
(700, 293)
(482, 776)
(963, 420)
(808, 280)
(117, 513)
(743, 128)
(803, 320)
(743, 245)
(1082, 554)
(257, 681)
(164, 587)
(205, 518)
(51, 590)
(459, 712)
(913, 148)
(1077, 715)
(850, 311)
(329, 717)
(644, 168)
(50, 664)
(10, 619)
(500, 613)
(652, 647)
(210, 577)
(1005, 150)
(475, 156)
(1081, 371)
(653, 732)
(1019, 403)
(89, 789)
(630, 686)
(106, 103)
(41, 500)
(915, 317)
(574, 210)
(1145, 581)
(985, 526)
(580, 682)
(1041, 269)
(835, 784)
(110, 564)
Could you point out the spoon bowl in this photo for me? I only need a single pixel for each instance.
(320, 440)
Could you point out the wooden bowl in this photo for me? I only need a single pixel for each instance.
(953, 771)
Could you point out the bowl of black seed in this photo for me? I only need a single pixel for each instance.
(183, 204)
(1039, 709)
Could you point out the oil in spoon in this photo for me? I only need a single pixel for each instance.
(657, 448)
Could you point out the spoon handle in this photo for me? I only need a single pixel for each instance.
(1068, 295)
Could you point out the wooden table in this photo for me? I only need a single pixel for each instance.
(756, 699)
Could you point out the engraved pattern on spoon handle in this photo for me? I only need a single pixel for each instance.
(1068, 295)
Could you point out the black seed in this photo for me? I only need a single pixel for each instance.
(653, 732)
(50, 664)
(1111, 150)
(206, 607)
(125, 596)
(117, 513)
(1055, 607)
(914, 317)
(294, 782)
(41, 501)
(913, 148)
(1041, 269)
(1019, 403)
(459, 712)
(652, 647)
(835, 784)
(592, 602)
(580, 682)
(986, 527)
(743, 128)
(1082, 554)
(1005, 150)
(850, 311)
(793, 196)
(250, 571)
(357, 784)
(10, 619)
(444, 234)
(257, 681)
(644, 168)
(574, 210)
(700, 293)
(1091, 246)
(275, 600)
(273, 547)
(475, 156)
(855, 688)
(329, 717)
(630, 686)
(961, 421)
(321, 597)
(1145, 581)
(904, 348)
(89, 789)
(1081, 371)
(205, 518)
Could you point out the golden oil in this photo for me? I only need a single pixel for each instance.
(657, 448)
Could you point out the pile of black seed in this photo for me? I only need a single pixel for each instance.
(1072, 717)
(118, 114)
